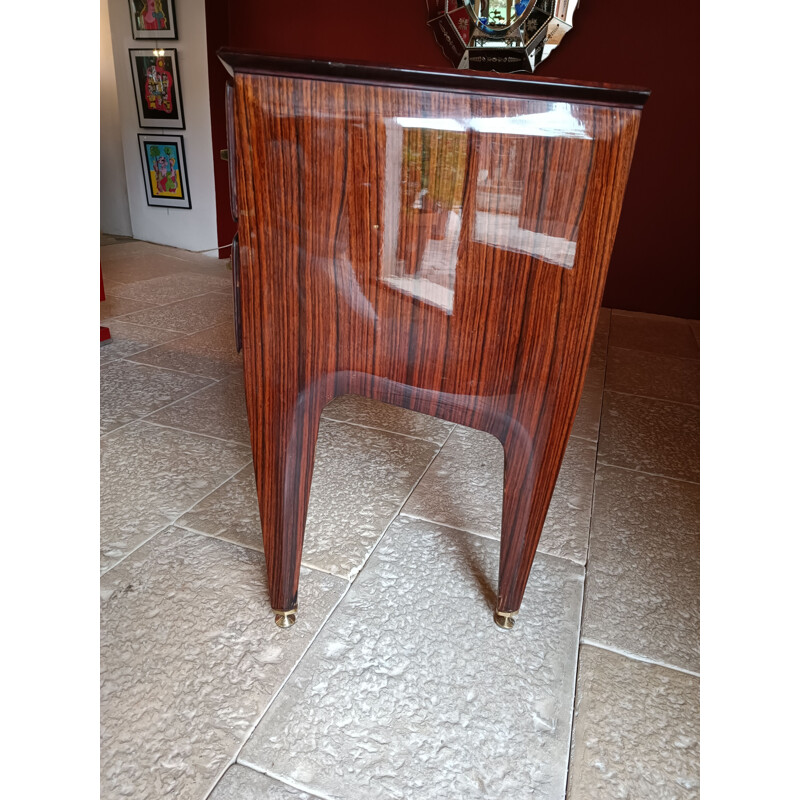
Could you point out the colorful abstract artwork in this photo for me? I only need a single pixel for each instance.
(164, 168)
(157, 89)
(153, 19)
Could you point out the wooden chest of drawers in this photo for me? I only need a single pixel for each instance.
(435, 240)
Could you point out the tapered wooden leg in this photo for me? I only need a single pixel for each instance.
(284, 439)
(530, 477)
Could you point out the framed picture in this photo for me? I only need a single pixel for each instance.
(153, 19)
(157, 87)
(164, 167)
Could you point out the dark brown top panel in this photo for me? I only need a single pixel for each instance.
(451, 80)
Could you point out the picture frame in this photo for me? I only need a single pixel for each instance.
(157, 88)
(153, 19)
(164, 170)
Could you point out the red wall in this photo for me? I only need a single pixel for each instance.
(656, 261)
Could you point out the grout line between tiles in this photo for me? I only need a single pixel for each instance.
(484, 536)
(642, 472)
(169, 369)
(649, 315)
(141, 544)
(122, 318)
(585, 574)
(185, 397)
(284, 780)
(650, 397)
(121, 427)
(584, 438)
(174, 520)
(145, 327)
(254, 548)
(636, 657)
(300, 788)
(220, 537)
(451, 527)
(656, 353)
(128, 356)
(333, 609)
(402, 503)
(186, 430)
(113, 321)
(213, 382)
(153, 303)
(183, 334)
(389, 430)
(279, 689)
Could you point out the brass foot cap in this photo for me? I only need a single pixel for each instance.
(285, 619)
(505, 619)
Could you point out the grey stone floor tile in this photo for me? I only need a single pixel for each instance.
(361, 477)
(171, 288)
(597, 359)
(655, 436)
(566, 527)
(190, 658)
(230, 512)
(149, 476)
(211, 352)
(669, 336)
(129, 391)
(636, 731)
(362, 411)
(643, 575)
(218, 410)
(600, 341)
(603, 325)
(114, 306)
(464, 489)
(464, 486)
(653, 375)
(411, 690)
(127, 340)
(187, 316)
(243, 783)
(140, 266)
(587, 418)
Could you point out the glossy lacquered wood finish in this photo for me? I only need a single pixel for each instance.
(471, 82)
(437, 250)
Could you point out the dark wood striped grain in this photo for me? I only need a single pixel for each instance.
(451, 302)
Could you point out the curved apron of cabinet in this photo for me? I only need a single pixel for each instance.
(434, 240)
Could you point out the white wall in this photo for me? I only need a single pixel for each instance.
(115, 215)
(194, 228)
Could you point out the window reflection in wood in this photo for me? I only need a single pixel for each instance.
(425, 171)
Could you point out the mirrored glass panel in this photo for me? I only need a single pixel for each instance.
(500, 35)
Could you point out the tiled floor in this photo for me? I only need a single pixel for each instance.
(395, 682)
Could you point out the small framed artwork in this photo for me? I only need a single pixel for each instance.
(164, 167)
(153, 19)
(157, 87)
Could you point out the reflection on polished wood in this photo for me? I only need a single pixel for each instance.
(444, 251)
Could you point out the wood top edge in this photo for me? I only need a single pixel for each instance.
(442, 79)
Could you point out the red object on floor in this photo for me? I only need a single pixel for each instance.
(105, 333)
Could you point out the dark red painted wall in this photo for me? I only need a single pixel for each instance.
(655, 266)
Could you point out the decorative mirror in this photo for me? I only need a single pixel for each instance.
(500, 35)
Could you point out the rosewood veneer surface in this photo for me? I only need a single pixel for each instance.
(434, 240)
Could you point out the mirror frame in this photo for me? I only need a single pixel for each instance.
(469, 42)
